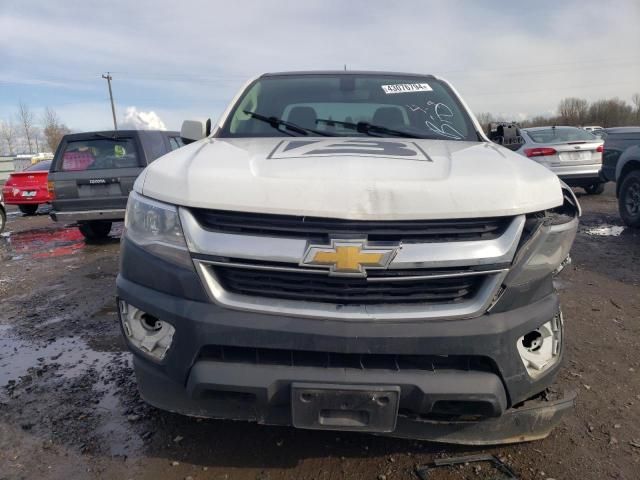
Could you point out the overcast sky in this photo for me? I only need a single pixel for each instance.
(181, 59)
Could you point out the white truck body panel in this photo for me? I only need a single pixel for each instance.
(449, 179)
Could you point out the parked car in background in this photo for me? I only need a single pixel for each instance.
(572, 153)
(621, 164)
(22, 161)
(592, 128)
(28, 189)
(93, 172)
(3, 214)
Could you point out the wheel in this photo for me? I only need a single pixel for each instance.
(3, 218)
(28, 209)
(95, 230)
(595, 189)
(629, 199)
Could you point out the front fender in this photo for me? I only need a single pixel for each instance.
(629, 160)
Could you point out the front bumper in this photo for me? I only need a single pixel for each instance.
(191, 382)
(532, 420)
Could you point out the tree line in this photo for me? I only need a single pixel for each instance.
(27, 132)
(577, 112)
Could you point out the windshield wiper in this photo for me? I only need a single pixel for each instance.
(370, 129)
(276, 122)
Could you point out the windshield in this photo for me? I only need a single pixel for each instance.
(376, 105)
(560, 134)
(99, 153)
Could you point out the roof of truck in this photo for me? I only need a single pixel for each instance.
(345, 72)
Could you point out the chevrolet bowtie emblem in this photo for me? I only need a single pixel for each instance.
(348, 257)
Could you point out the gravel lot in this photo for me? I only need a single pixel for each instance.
(69, 406)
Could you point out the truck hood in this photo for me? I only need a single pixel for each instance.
(352, 178)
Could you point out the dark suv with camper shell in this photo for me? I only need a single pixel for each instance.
(93, 172)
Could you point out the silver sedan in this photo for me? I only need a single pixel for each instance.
(573, 154)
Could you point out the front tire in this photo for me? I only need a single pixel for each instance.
(629, 199)
(3, 219)
(95, 230)
(28, 209)
(594, 189)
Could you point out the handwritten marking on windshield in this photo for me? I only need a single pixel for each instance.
(439, 119)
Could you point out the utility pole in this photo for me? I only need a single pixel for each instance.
(108, 78)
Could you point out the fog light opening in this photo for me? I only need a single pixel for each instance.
(146, 332)
(540, 348)
(150, 323)
(532, 341)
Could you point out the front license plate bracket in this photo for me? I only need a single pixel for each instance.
(366, 408)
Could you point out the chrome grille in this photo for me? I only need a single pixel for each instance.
(432, 275)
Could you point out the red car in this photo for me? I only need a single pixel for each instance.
(28, 188)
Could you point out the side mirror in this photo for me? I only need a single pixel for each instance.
(194, 130)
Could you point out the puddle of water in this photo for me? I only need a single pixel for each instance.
(43, 243)
(605, 230)
(73, 354)
(75, 357)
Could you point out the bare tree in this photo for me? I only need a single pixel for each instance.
(611, 112)
(484, 119)
(573, 111)
(8, 134)
(635, 99)
(53, 128)
(26, 119)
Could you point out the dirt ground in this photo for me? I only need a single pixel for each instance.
(69, 406)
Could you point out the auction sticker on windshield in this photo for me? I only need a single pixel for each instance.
(406, 88)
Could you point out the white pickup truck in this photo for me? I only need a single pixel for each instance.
(348, 251)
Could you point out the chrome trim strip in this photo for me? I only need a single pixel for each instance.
(84, 215)
(274, 268)
(437, 276)
(327, 311)
(410, 255)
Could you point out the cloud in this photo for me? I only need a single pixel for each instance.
(502, 57)
(139, 120)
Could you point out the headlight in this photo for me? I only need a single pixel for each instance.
(547, 249)
(155, 227)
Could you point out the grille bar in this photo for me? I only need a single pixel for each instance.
(292, 226)
(392, 275)
(304, 286)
